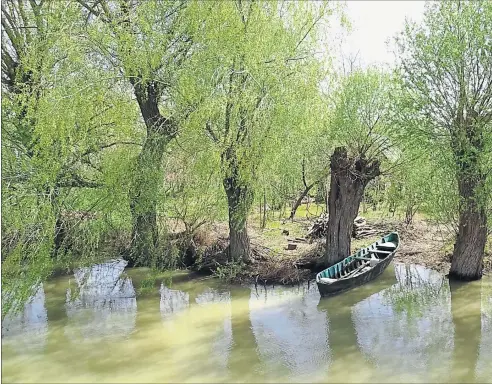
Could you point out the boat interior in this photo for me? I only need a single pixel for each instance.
(358, 263)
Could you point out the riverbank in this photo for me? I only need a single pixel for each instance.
(422, 242)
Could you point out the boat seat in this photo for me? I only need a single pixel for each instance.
(373, 261)
(380, 251)
(387, 246)
(327, 280)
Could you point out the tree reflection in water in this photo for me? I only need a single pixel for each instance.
(484, 363)
(408, 326)
(223, 339)
(466, 312)
(342, 335)
(243, 359)
(27, 329)
(290, 332)
(102, 304)
(172, 301)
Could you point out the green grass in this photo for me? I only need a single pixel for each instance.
(314, 210)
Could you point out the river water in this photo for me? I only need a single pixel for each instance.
(409, 325)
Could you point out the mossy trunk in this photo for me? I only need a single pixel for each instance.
(349, 178)
(147, 179)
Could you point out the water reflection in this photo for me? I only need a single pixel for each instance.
(409, 325)
(343, 336)
(102, 304)
(484, 364)
(466, 312)
(290, 332)
(28, 328)
(223, 329)
(243, 345)
(172, 301)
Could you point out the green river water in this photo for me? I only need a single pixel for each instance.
(409, 325)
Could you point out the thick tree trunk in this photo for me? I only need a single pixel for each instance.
(148, 174)
(468, 143)
(467, 261)
(349, 177)
(239, 199)
(298, 202)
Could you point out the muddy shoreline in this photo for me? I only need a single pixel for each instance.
(422, 243)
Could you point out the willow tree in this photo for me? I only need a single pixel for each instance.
(446, 65)
(251, 57)
(146, 42)
(55, 132)
(361, 128)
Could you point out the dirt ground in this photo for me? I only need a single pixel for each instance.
(422, 242)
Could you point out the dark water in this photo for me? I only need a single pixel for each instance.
(409, 325)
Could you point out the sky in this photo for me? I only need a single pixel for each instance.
(373, 23)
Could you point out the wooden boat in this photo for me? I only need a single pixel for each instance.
(360, 268)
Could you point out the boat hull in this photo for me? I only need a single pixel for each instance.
(337, 283)
(327, 290)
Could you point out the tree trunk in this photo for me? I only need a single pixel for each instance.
(263, 223)
(467, 261)
(60, 230)
(410, 211)
(239, 200)
(147, 180)
(148, 174)
(468, 143)
(349, 177)
(59, 238)
(298, 202)
(320, 197)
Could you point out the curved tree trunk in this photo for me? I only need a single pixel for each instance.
(298, 202)
(349, 177)
(304, 193)
(239, 199)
